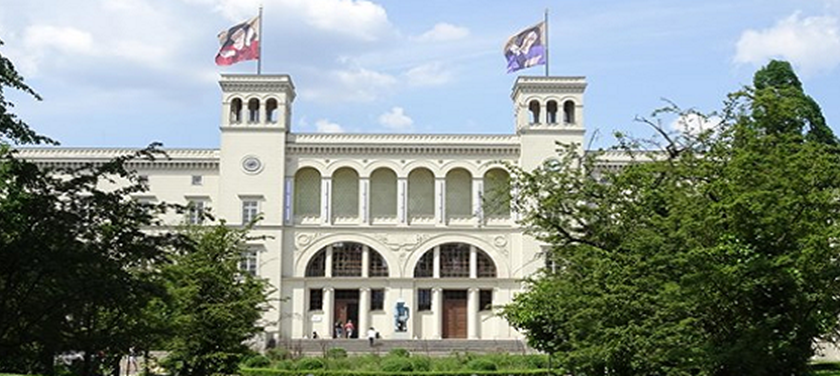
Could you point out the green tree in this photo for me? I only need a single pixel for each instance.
(216, 306)
(77, 265)
(715, 258)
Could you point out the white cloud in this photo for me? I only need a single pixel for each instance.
(694, 123)
(325, 126)
(431, 74)
(444, 32)
(65, 39)
(396, 119)
(359, 19)
(811, 43)
(352, 85)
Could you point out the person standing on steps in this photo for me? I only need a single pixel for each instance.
(349, 328)
(371, 335)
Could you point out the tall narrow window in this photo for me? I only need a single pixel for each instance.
(569, 112)
(485, 300)
(236, 110)
(248, 262)
(424, 300)
(195, 213)
(377, 299)
(250, 210)
(271, 110)
(254, 111)
(534, 109)
(551, 112)
(316, 299)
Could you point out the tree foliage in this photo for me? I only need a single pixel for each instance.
(717, 257)
(216, 305)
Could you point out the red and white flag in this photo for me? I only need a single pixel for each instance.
(239, 43)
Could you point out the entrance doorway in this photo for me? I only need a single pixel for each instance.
(347, 308)
(454, 314)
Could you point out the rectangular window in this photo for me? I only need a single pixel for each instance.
(195, 214)
(377, 299)
(316, 299)
(485, 300)
(250, 209)
(143, 179)
(248, 262)
(424, 300)
(197, 179)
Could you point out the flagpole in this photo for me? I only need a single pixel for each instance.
(260, 35)
(546, 42)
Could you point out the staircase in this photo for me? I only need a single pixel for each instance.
(431, 347)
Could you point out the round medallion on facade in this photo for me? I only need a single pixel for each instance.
(252, 164)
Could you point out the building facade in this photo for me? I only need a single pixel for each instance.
(411, 234)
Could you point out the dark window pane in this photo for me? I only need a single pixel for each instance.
(317, 264)
(485, 300)
(425, 266)
(424, 300)
(377, 299)
(316, 299)
(376, 265)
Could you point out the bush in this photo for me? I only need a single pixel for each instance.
(257, 361)
(421, 363)
(278, 353)
(336, 352)
(537, 361)
(309, 364)
(398, 352)
(284, 364)
(396, 364)
(481, 364)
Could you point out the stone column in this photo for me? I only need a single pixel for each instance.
(288, 199)
(437, 312)
(440, 201)
(436, 262)
(402, 200)
(478, 208)
(365, 261)
(326, 203)
(328, 262)
(329, 312)
(364, 312)
(364, 200)
(472, 313)
(473, 262)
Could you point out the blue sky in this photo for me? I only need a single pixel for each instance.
(129, 72)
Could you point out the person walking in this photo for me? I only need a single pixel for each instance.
(349, 328)
(371, 335)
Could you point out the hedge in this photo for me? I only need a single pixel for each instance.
(278, 372)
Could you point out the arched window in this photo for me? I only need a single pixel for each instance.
(271, 110)
(383, 195)
(307, 193)
(551, 112)
(345, 193)
(347, 261)
(458, 194)
(317, 265)
(253, 111)
(236, 110)
(496, 197)
(455, 262)
(421, 194)
(569, 112)
(534, 109)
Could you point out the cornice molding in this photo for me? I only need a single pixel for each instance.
(201, 159)
(396, 144)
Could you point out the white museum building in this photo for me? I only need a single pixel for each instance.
(391, 231)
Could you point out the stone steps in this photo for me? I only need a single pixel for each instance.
(438, 347)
